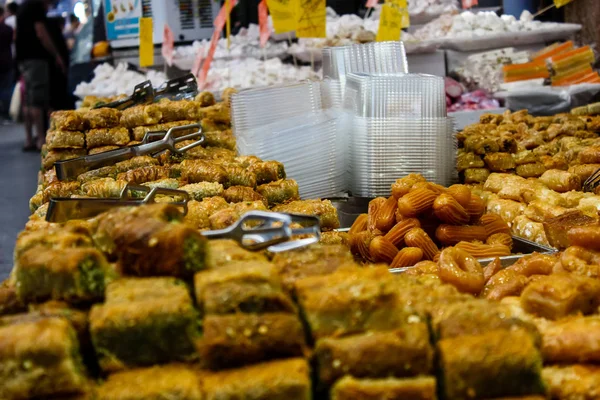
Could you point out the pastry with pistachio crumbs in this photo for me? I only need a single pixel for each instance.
(139, 289)
(39, 359)
(228, 216)
(420, 388)
(243, 286)
(267, 171)
(275, 380)
(199, 212)
(139, 329)
(221, 252)
(314, 260)
(72, 274)
(172, 381)
(103, 187)
(101, 118)
(279, 191)
(323, 209)
(57, 139)
(351, 300)
(49, 157)
(509, 358)
(106, 137)
(475, 317)
(239, 194)
(402, 352)
(155, 248)
(234, 340)
(201, 190)
(224, 139)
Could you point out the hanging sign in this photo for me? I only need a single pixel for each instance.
(311, 19)
(390, 24)
(168, 44)
(146, 43)
(263, 23)
(283, 15)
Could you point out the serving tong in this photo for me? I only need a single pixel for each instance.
(255, 230)
(151, 145)
(591, 183)
(179, 88)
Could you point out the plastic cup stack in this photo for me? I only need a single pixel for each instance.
(311, 147)
(253, 108)
(399, 126)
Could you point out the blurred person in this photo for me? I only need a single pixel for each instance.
(35, 47)
(72, 31)
(7, 76)
(11, 14)
(60, 99)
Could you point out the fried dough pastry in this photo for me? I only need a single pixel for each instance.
(560, 181)
(101, 118)
(149, 114)
(67, 120)
(559, 295)
(420, 388)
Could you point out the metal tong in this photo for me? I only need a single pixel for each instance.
(179, 88)
(591, 183)
(71, 169)
(62, 209)
(257, 230)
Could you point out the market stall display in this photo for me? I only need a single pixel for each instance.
(530, 170)
(470, 31)
(112, 81)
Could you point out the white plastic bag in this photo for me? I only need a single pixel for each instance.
(15, 102)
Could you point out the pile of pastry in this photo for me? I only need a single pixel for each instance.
(528, 146)
(420, 218)
(135, 305)
(75, 133)
(542, 209)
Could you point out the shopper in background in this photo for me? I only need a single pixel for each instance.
(72, 31)
(11, 14)
(60, 99)
(7, 77)
(35, 47)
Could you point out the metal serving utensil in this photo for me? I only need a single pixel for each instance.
(142, 93)
(62, 209)
(71, 169)
(180, 88)
(258, 230)
(183, 87)
(255, 230)
(591, 183)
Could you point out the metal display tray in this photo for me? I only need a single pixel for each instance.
(522, 247)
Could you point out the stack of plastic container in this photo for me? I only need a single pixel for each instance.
(288, 124)
(399, 126)
(369, 58)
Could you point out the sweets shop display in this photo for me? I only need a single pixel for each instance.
(299, 237)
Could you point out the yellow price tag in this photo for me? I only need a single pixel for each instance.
(399, 3)
(283, 14)
(146, 43)
(311, 19)
(560, 3)
(390, 24)
(405, 21)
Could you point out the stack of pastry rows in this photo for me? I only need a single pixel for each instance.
(222, 185)
(143, 302)
(91, 131)
(528, 146)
